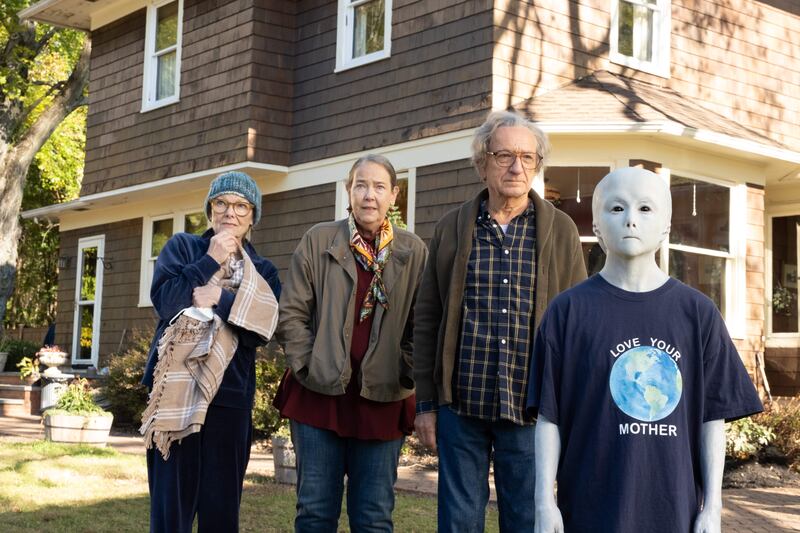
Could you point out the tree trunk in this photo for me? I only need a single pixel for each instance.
(16, 159)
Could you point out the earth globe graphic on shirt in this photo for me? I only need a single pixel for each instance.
(646, 383)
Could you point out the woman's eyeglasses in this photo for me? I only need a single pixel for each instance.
(220, 207)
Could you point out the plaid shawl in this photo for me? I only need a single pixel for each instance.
(195, 350)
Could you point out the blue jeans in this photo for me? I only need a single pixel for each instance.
(465, 449)
(323, 459)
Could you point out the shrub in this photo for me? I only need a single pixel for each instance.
(270, 366)
(783, 418)
(17, 350)
(122, 389)
(745, 437)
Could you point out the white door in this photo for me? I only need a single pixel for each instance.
(88, 298)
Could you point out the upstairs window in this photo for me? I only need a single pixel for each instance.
(364, 32)
(162, 54)
(640, 31)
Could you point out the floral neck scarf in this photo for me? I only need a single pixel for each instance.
(372, 259)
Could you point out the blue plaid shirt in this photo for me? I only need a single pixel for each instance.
(491, 374)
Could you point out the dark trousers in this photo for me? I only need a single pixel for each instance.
(203, 476)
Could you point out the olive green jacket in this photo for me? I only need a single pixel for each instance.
(437, 315)
(317, 310)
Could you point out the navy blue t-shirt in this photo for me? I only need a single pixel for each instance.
(630, 378)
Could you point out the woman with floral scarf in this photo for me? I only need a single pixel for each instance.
(345, 325)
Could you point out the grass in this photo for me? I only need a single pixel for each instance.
(66, 488)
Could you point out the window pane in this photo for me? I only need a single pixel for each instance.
(561, 188)
(368, 28)
(87, 325)
(703, 272)
(195, 223)
(784, 274)
(167, 26)
(401, 218)
(162, 231)
(700, 214)
(625, 37)
(89, 273)
(165, 79)
(643, 33)
(593, 256)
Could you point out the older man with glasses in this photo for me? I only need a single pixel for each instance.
(494, 264)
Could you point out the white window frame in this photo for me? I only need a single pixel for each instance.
(735, 259)
(662, 28)
(343, 201)
(98, 241)
(344, 36)
(786, 339)
(149, 101)
(147, 262)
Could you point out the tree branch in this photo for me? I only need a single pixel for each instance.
(69, 98)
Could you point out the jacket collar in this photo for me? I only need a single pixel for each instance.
(468, 215)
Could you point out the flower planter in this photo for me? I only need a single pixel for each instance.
(3, 359)
(52, 360)
(284, 459)
(82, 429)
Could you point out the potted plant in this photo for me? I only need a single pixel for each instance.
(782, 300)
(29, 370)
(283, 455)
(77, 418)
(52, 357)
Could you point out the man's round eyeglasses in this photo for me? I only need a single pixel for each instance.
(220, 207)
(504, 158)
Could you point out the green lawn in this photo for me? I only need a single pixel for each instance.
(63, 488)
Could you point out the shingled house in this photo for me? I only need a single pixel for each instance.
(706, 92)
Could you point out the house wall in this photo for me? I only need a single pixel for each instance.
(287, 216)
(235, 95)
(441, 188)
(753, 341)
(119, 311)
(438, 78)
(738, 58)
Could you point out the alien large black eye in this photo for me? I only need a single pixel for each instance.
(645, 208)
(616, 208)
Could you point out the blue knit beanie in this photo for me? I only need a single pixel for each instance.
(237, 183)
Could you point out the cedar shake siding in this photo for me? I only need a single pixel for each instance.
(236, 62)
(119, 310)
(285, 218)
(441, 188)
(738, 59)
(437, 80)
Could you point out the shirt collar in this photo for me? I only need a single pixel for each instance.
(485, 216)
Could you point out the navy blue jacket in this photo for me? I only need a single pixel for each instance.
(182, 265)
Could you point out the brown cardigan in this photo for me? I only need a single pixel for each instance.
(437, 315)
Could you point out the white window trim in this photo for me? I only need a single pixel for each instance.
(87, 242)
(344, 36)
(145, 273)
(735, 264)
(662, 28)
(775, 340)
(343, 201)
(150, 64)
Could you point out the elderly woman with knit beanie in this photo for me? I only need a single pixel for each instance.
(345, 325)
(204, 469)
